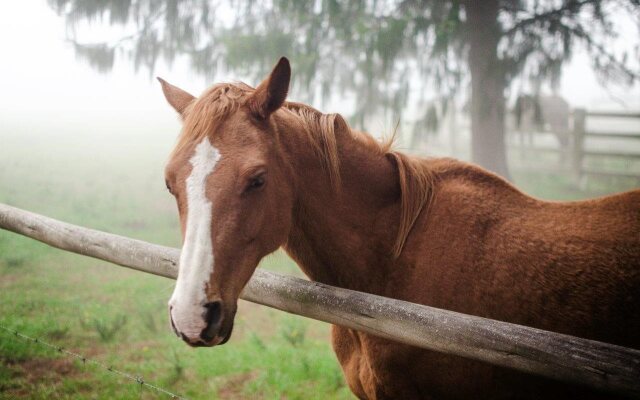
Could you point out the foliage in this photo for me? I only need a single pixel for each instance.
(149, 321)
(376, 50)
(106, 329)
(294, 332)
(177, 372)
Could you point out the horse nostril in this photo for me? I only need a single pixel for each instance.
(212, 317)
(214, 311)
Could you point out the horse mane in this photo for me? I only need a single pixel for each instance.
(320, 130)
(415, 179)
(416, 188)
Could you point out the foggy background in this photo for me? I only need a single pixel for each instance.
(89, 67)
(85, 132)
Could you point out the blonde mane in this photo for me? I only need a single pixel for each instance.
(416, 181)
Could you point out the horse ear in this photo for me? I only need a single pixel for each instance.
(177, 98)
(272, 92)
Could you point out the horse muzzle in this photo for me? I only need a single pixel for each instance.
(213, 326)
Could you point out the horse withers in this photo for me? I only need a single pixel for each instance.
(252, 172)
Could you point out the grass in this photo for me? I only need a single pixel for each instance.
(119, 316)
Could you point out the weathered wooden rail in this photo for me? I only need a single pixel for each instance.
(566, 358)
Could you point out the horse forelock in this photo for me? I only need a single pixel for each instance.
(204, 114)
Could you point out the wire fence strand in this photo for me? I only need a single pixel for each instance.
(86, 360)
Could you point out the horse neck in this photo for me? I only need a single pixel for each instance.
(341, 235)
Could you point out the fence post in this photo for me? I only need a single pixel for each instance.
(577, 151)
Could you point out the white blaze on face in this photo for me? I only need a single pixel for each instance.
(196, 258)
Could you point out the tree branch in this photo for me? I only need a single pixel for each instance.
(602, 51)
(571, 6)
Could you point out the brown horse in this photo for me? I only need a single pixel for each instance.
(252, 172)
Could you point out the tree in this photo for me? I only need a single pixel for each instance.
(385, 52)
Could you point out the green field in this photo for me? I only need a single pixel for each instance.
(117, 316)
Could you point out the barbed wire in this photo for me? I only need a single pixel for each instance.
(86, 360)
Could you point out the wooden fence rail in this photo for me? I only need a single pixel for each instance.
(572, 156)
(562, 357)
(580, 134)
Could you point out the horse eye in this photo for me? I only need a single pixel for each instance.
(256, 183)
